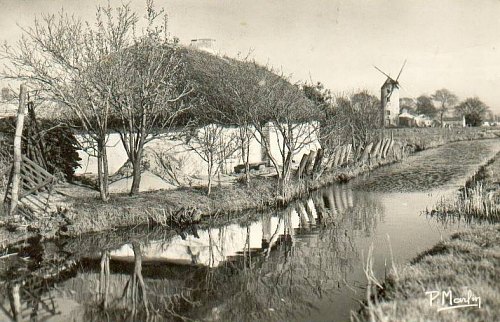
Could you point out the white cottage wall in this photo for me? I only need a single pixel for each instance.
(193, 164)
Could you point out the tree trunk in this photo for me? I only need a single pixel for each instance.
(247, 165)
(285, 175)
(102, 169)
(246, 155)
(136, 171)
(16, 178)
(104, 279)
(210, 165)
(281, 187)
(15, 301)
(138, 278)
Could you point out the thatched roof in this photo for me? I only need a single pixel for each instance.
(219, 82)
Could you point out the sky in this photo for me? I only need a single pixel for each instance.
(451, 44)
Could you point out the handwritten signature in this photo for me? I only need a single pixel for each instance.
(447, 300)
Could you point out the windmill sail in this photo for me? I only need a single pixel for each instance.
(401, 70)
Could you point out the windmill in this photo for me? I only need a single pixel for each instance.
(389, 97)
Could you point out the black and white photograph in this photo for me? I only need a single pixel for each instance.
(249, 160)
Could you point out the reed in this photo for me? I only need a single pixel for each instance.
(474, 204)
(478, 200)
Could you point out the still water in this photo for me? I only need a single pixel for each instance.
(302, 263)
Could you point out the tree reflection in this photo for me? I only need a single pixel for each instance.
(29, 276)
(303, 254)
(302, 268)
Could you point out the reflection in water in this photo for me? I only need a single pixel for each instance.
(277, 266)
(28, 273)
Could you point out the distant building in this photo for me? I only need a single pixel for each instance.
(389, 97)
(423, 120)
(407, 120)
(458, 121)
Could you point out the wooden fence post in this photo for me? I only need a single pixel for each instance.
(366, 152)
(310, 162)
(318, 161)
(302, 165)
(17, 152)
(348, 154)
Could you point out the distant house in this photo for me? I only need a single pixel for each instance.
(407, 120)
(458, 121)
(423, 120)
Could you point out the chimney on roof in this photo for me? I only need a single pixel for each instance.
(206, 44)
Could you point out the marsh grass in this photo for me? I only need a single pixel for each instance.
(478, 200)
(475, 204)
(88, 214)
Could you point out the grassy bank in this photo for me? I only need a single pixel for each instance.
(468, 260)
(184, 205)
(83, 212)
(162, 207)
(418, 139)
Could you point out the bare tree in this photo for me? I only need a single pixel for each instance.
(354, 117)
(284, 109)
(335, 127)
(225, 87)
(149, 89)
(257, 99)
(445, 99)
(214, 144)
(66, 59)
(408, 104)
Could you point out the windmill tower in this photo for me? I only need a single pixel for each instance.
(389, 98)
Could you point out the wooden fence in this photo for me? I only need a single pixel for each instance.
(34, 190)
(344, 155)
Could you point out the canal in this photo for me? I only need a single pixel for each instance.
(302, 263)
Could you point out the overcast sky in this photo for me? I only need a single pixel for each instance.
(448, 44)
